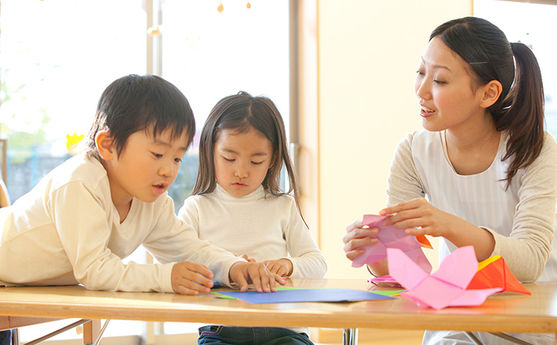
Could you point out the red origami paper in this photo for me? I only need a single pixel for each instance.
(494, 272)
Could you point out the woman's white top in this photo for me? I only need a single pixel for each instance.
(520, 217)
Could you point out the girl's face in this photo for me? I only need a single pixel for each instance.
(241, 160)
(448, 95)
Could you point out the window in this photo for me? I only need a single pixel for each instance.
(53, 75)
(210, 54)
(56, 59)
(534, 25)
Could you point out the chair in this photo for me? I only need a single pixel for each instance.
(4, 197)
(5, 336)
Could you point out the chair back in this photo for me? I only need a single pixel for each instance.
(4, 197)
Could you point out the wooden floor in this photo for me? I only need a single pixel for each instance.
(369, 337)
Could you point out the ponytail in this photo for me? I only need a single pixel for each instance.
(524, 117)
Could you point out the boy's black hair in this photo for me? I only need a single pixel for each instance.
(133, 103)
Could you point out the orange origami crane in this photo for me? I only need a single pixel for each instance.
(494, 272)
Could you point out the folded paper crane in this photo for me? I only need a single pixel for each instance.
(447, 287)
(494, 272)
(392, 237)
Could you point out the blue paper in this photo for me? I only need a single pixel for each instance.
(305, 295)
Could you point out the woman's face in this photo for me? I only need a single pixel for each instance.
(447, 93)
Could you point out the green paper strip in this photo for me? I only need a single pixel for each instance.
(387, 292)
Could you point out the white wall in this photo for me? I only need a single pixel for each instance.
(368, 53)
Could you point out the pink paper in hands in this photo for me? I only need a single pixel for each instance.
(444, 288)
(390, 237)
(385, 281)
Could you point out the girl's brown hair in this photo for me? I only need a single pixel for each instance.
(239, 113)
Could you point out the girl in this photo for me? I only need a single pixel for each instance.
(237, 204)
(96, 208)
(484, 162)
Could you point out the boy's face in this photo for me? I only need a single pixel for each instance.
(146, 167)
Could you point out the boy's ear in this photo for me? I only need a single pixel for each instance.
(490, 93)
(105, 145)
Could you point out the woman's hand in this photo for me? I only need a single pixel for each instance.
(358, 236)
(419, 217)
(243, 273)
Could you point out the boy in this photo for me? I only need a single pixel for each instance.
(96, 208)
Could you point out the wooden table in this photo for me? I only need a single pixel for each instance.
(506, 312)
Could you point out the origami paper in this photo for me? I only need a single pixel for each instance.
(305, 295)
(391, 293)
(391, 237)
(220, 295)
(384, 281)
(494, 272)
(444, 288)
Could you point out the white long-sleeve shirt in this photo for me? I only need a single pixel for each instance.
(262, 226)
(521, 218)
(67, 231)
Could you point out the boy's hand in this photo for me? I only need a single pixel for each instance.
(190, 278)
(283, 267)
(257, 273)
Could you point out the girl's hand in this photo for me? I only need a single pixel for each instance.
(257, 273)
(190, 278)
(358, 236)
(418, 217)
(247, 258)
(282, 267)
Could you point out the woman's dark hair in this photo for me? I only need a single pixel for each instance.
(240, 113)
(133, 103)
(520, 108)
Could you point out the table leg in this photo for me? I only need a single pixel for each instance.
(15, 336)
(91, 330)
(474, 339)
(350, 336)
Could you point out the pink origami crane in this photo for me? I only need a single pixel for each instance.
(391, 237)
(444, 288)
